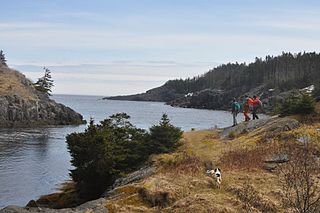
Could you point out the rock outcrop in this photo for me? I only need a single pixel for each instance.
(21, 105)
(271, 126)
(97, 206)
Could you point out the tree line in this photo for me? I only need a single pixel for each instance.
(287, 71)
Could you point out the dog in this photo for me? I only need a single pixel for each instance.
(216, 173)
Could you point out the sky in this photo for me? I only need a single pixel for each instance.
(104, 47)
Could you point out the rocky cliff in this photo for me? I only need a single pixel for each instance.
(21, 105)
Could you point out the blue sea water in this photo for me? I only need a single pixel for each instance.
(36, 161)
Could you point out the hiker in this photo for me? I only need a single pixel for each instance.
(246, 108)
(256, 104)
(235, 109)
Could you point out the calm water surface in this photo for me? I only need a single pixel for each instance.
(35, 161)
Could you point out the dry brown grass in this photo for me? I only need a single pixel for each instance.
(246, 158)
(180, 183)
(14, 83)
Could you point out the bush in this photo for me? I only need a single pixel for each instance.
(164, 137)
(298, 104)
(299, 177)
(113, 148)
(103, 152)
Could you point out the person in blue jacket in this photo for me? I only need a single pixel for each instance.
(235, 109)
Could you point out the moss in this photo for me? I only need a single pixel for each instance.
(232, 135)
(127, 189)
(67, 197)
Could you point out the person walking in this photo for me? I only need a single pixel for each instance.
(246, 108)
(255, 106)
(235, 109)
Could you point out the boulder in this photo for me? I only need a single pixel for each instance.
(132, 177)
(97, 206)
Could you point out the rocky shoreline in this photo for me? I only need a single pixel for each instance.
(97, 205)
(18, 112)
(21, 105)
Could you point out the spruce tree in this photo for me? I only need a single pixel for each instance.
(45, 83)
(3, 60)
(164, 137)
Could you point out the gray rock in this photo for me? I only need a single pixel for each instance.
(282, 158)
(96, 206)
(32, 203)
(132, 177)
(13, 209)
(270, 166)
(16, 111)
(271, 125)
(273, 162)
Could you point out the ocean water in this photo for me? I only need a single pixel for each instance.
(36, 161)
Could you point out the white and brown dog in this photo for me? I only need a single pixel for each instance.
(216, 173)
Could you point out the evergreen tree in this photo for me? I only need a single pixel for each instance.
(307, 104)
(3, 60)
(298, 103)
(105, 152)
(113, 148)
(164, 137)
(45, 83)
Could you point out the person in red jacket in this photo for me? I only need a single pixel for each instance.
(247, 105)
(256, 103)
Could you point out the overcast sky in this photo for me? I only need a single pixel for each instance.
(104, 47)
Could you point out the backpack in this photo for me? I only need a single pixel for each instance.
(236, 107)
(260, 105)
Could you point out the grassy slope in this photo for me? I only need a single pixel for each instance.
(14, 83)
(180, 184)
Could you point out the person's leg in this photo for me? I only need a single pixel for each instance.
(234, 114)
(257, 116)
(254, 114)
(246, 115)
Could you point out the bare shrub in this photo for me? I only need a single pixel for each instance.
(245, 158)
(252, 199)
(298, 178)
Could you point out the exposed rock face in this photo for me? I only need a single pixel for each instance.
(132, 177)
(271, 126)
(21, 105)
(97, 206)
(16, 111)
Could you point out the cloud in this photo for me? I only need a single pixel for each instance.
(113, 78)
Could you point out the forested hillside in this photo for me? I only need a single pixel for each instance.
(215, 89)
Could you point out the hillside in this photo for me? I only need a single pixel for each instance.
(177, 182)
(271, 78)
(21, 105)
